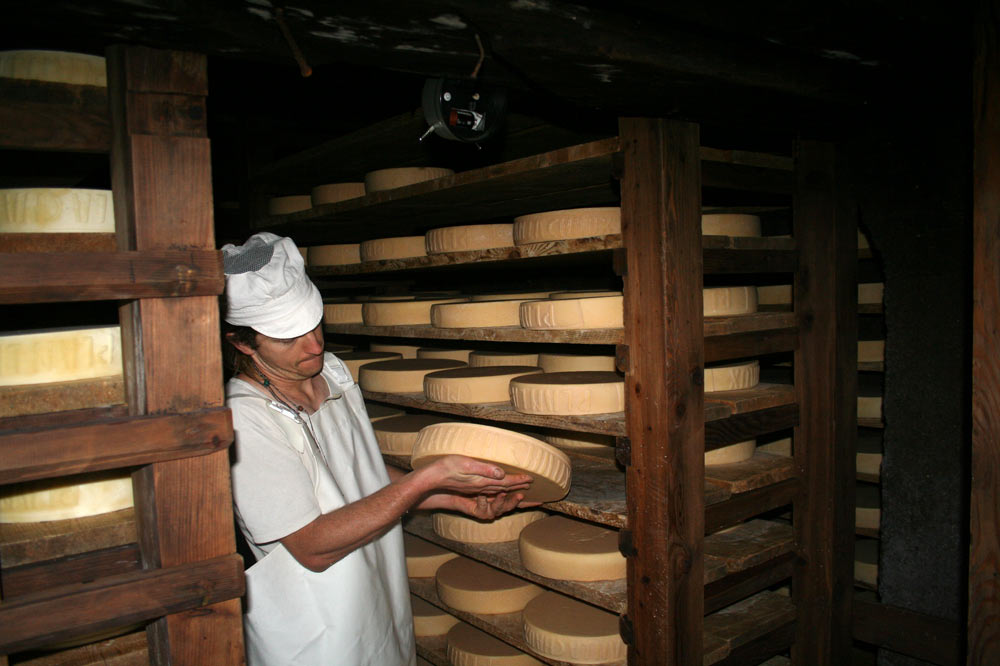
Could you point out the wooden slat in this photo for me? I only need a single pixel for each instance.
(62, 242)
(17, 403)
(739, 585)
(41, 115)
(752, 652)
(934, 639)
(746, 177)
(63, 451)
(68, 611)
(763, 469)
(741, 427)
(742, 623)
(434, 649)
(101, 276)
(740, 345)
(127, 650)
(26, 543)
(737, 508)
(64, 418)
(81, 568)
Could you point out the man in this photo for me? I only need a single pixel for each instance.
(316, 503)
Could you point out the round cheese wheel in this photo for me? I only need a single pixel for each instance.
(580, 441)
(482, 359)
(470, 530)
(334, 192)
(870, 407)
(868, 507)
(342, 313)
(511, 296)
(866, 561)
(583, 293)
(398, 434)
(732, 376)
(730, 224)
(440, 352)
(377, 412)
(336, 348)
(569, 393)
(725, 301)
(870, 293)
(778, 447)
(473, 587)
(565, 224)
(335, 255)
(476, 314)
(468, 646)
(60, 355)
(289, 204)
(869, 455)
(774, 294)
(402, 313)
(561, 628)
(732, 453)
(568, 549)
(573, 313)
(550, 362)
(423, 557)
(67, 497)
(470, 386)
(429, 620)
(406, 351)
(304, 251)
(57, 66)
(390, 179)
(514, 452)
(871, 351)
(402, 375)
(354, 360)
(469, 237)
(42, 210)
(403, 247)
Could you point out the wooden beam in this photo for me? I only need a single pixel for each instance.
(81, 568)
(934, 639)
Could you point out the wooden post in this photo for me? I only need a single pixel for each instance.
(825, 295)
(661, 229)
(163, 200)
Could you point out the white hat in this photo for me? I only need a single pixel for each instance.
(267, 287)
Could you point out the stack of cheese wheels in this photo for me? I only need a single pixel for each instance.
(390, 179)
(429, 620)
(567, 630)
(42, 210)
(470, 530)
(402, 247)
(406, 351)
(468, 646)
(730, 224)
(871, 351)
(869, 456)
(774, 294)
(483, 359)
(423, 558)
(441, 352)
(56, 66)
(573, 313)
(64, 498)
(570, 549)
(477, 314)
(511, 296)
(552, 362)
(398, 434)
(355, 360)
(727, 301)
(335, 255)
(514, 452)
(334, 192)
(469, 237)
(568, 393)
(289, 204)
(404, 375)
(472, 386)
(870, 293)
(342, 313)
(732, 376)
(566, 224)
(868, 506)
(402, 313)
(580, 441)
(472, 587)
(866, 561)
(377, 412)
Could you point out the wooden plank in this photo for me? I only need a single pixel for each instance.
(68, 611)
(762, 647)
(739, 585)
(102, 276)
(737, 508)
(741, 345)
(750, 619)
(763, 469)
(434, 649)
(762, 396)
(741, 427)
(750, 544)
(62, 242)
(18, 402)
(26, 543)
(749, 261)
(66, 418)
(746, 177)
(42, 115)
(81, 568)
(50, 452)
(934, 639)
(127, 650)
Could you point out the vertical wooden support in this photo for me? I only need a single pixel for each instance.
(661, 229)
(163, 199)
(825, 295)
(984, 517)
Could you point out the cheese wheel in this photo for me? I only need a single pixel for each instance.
(866, 561)
(402, 375)
(401, 313)
(869, 455)
(871, 351)
(583, 293)
(441, 352)
(468, 646)
(561, 628)
(56, 66)
(473, 587)
(551, 362)
(334, 192)
(870, 407)
(335, 255)
(342, 313)
(732, 453)
(377, 412)
(729, 224)
(335, 348)
(60, 355)
(573, 313)
(402, 247)
(398, 434)
(568, 549)
(390, 179)
(288, 205)
(50, 210)
(423, 558)
(476, 314)
(304, 251)
(569, 393)
(862, 241)
(469, 237)
(511, 296)
(67, 497)
(514, 452)
(870, 293)
(356, 359)
(727, 301)
(406, 351)
(470, 530)
(429, 620)
(778, 447)
(775, 294)
(471, 386)
(732, 376)
(482, 359)
(366, 298)
(580, 441)
(565, 224)
(868, 506)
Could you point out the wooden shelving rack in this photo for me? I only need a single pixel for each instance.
(172, 563)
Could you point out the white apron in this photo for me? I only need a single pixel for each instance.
(357, 612)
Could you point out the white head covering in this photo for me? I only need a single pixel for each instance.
(267, 287)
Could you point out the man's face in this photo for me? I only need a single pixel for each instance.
(292, 358)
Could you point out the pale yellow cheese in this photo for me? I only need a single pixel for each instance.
(870, 293)
(870, 407)
(67, 497)
(390, 179)
(731, 453)
(511, 296)
(423, 558)
(570, 549)
(552, 362)
(569, 393)
(335, 348)
(55, 66)
(60, 355)
(566, 224)
(732, 376)
(514, 452)
(482, 359)
(334, 192)
(429, 620)
(726, 301)
(583, 293)
(288, 205)
(44, 210)
(869, 456)
(342, 313)
(354, 360)
(871, 351)
(401, 247)
(573, 313)
(401, 313)
(469, 237)
(470, 386)
(398, 434)
(304, 251)
(561, 628)
(406, 351)
(868, 506)
(467, 585)
(335, 255)
(580, 441)
(774, 294)
(476, 314)
(468, 646)
(402, 375)
(440, 352)
(377, 412)
(729, 224)
(866, 561)
(470, 530)
(778, 447)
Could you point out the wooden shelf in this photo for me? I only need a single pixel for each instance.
(434, 649)
(26, 543)
(128, 650)
(871, 366)
(41, 115)
(62, 242)
(17, 402)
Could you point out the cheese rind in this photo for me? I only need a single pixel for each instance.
(397, 435)
(732, 376)
(580, 441)
(343, 313)
(567, 549)
(573, 313)
(870, 293)
(476, 314)
(583, 293)
(774, 294)
(55, 66)
(561, 628)
(406, 351)
(402, 375)
(469, 237)
(871, 351)
(401, 313)
(511, 296)
(402, 247)
(469, 386)
(731, 453)
(355, 360)
(468, 646)
(870, 407)
(472, 587)
(778, 447)
(288, 205)
(429, 620)
(482, 359)
(64, 498)
(60, 355)
(566, 224)
(335, 255)
(568, 393)
(730, 224)
(441, 352)
(423, 558)
(551, 362)
(390, 179)
(727, 301)
(45, 210)
(334, 192)
(469, 530)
